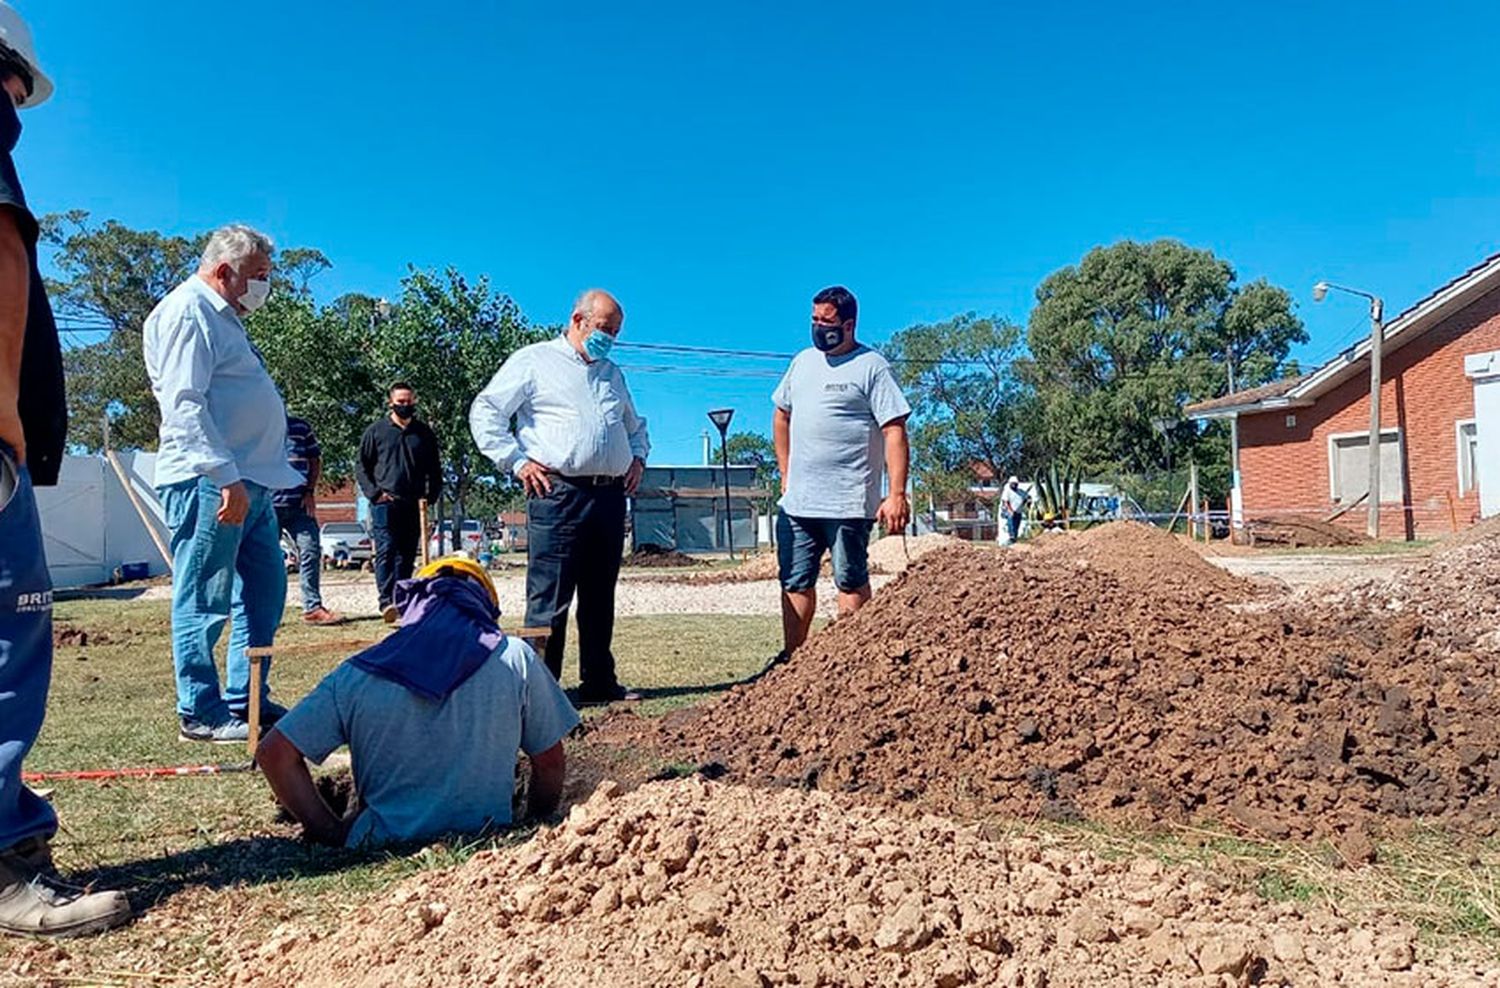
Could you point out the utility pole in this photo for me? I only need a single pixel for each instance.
(1377, 341)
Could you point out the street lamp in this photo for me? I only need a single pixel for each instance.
(720, 418)
(1377, 340)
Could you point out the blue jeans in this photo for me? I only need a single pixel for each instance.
(25, 651)
(294, 520)
(221, 573)
(801, 542)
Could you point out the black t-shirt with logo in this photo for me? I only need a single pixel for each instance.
(43, 402)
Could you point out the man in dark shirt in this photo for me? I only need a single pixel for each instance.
(296, 513)
(33, 420)
(400, 465)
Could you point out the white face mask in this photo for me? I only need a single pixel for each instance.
(257, 290)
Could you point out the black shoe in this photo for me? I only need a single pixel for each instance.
(270, 713)
(594, 696)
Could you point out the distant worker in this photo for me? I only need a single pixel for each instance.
(840, 423)
(400, 465)
(33, 427)
(579, 450)
(222, 456)
(433, 716)
(1013, 502)
(296, 513)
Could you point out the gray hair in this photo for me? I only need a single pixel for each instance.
(588, 300)
(233, 243)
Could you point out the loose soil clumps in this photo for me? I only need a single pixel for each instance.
(1115, 682)
(705, 885)
(894, 553)
(651, 554)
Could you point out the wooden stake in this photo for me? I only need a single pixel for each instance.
(1452, 513)
(1193, 501)
(422, 519)
(254, 703)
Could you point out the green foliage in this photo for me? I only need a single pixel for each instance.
(448, 336)
(969, 406)
(112, 275)
(1057, 490)
(1134, 332)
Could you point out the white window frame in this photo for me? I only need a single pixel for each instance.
(1333, 480)
(1462, 449)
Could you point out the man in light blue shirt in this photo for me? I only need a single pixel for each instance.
(433, 716)
(223, 454)
(579, 449)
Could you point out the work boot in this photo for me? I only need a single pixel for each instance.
(390, 614)
(35, 902)
(323, 616)
(232, 731)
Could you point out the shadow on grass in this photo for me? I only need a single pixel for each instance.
(242, 861)
(98, 593)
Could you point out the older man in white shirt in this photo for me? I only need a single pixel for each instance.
(223, 454)
(579, 449)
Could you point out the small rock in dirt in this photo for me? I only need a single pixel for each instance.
(1396, 955)
(1223, 955)
(904, 930)
(1029, 730)
(1287, 947)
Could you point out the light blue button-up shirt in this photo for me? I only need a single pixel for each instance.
(572, 416)
(221, 415)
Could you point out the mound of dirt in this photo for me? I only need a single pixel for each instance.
(705, 885)
(1304, 533)
(1445, 605)
(1109, 684)
(892, 554)
(72, 636)
(650, 554)
(1150, 558)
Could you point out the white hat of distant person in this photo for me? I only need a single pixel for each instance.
(16, 44)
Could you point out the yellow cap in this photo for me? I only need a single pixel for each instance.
(460, 565)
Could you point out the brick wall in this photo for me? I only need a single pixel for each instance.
(337, 503)
(1423, 393)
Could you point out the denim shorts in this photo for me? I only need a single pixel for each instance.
(800, 543)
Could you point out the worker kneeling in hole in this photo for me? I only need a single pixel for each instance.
(433, 717)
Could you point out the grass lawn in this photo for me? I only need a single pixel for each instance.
(209, 869)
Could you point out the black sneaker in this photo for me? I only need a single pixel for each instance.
(232, 731)
(270, 713)
(594, 696)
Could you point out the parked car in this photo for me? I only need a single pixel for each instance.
(345, 543)
(470, 538)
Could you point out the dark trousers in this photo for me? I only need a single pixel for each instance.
(395, 527)
(1013, 523)
(574, 539)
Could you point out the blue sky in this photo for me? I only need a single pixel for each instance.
(715, 164)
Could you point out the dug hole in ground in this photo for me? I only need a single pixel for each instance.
(858, 834)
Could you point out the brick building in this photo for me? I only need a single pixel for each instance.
(1304, 442)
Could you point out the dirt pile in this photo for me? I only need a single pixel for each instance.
(892, 554)
(651, 554)
(1148, 558)
(1303, 533)
(1446, 606)
(1105, 684)
(705, 885)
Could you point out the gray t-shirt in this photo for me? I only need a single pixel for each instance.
(425, 768)
(838, 407)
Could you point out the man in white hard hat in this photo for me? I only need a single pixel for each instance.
(33, 421)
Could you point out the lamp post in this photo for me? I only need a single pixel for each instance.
(720, 418)
(1377, 339)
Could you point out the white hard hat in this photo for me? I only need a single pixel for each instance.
(15, 40)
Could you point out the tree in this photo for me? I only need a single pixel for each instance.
(447, 336)
(754, 449)
(1131, 334)
(320, 358)
(968, 405)
(112, 275)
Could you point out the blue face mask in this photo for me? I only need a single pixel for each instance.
(598, 344)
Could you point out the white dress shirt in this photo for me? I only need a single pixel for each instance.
(221, 415)
(572, 416)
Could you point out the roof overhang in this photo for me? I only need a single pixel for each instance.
(1249, 408)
